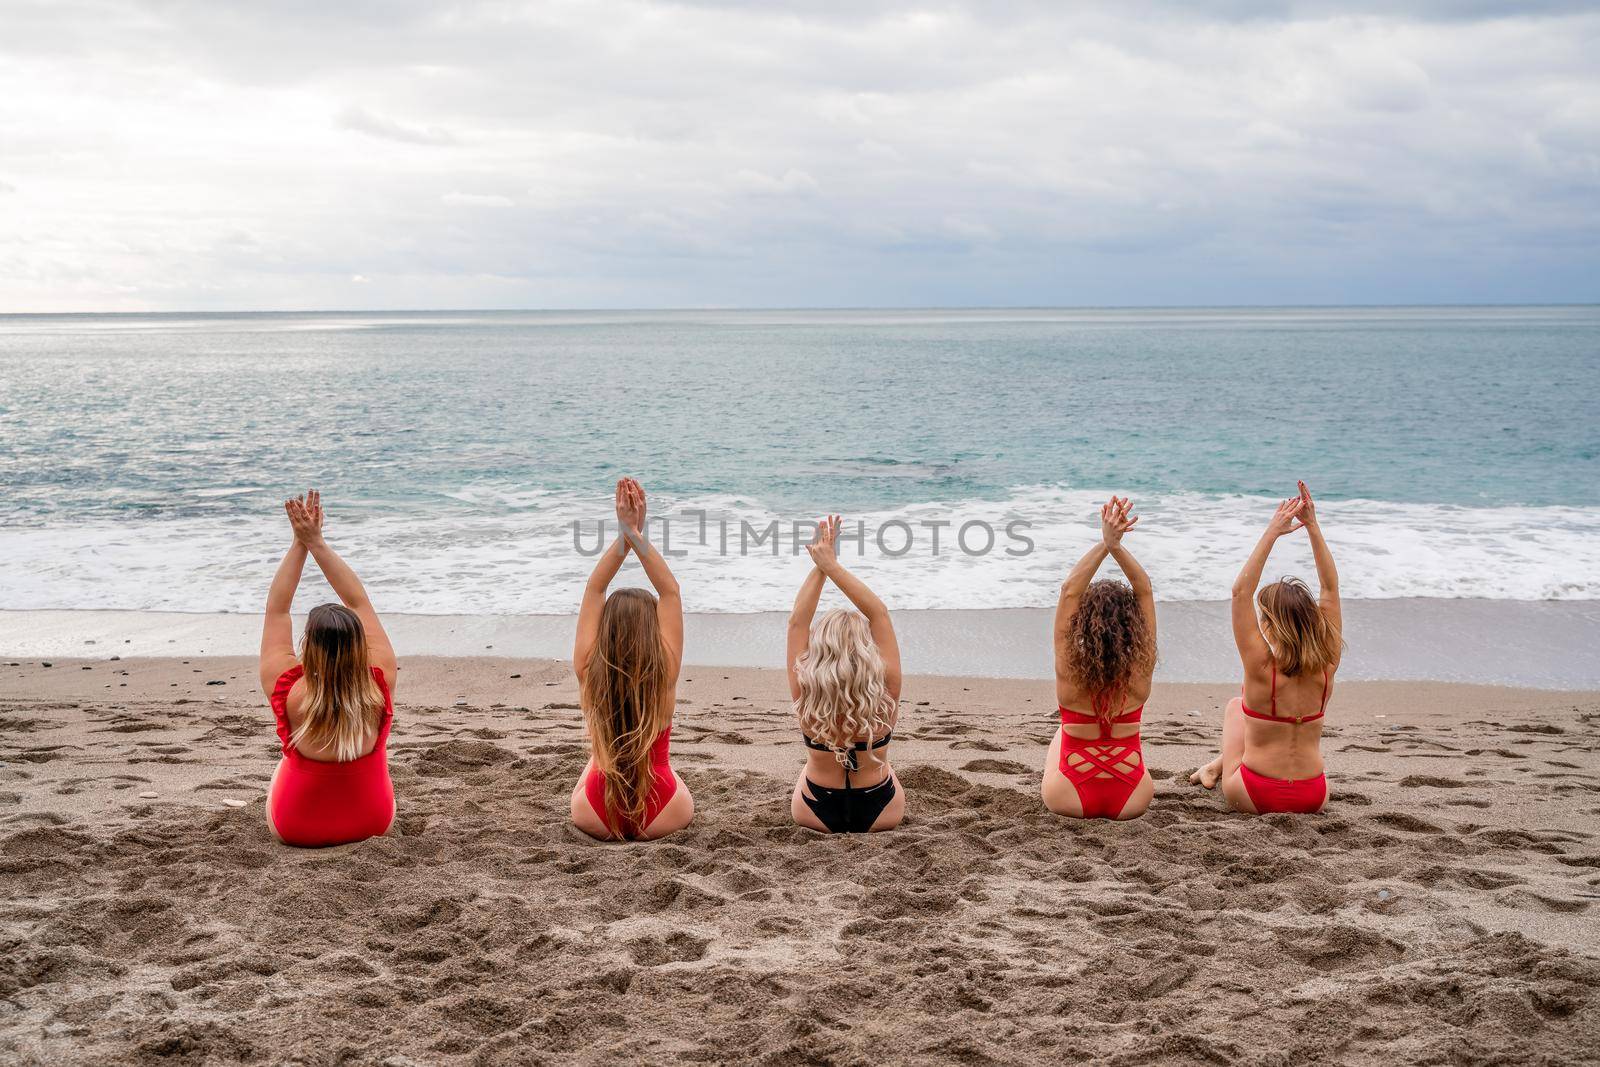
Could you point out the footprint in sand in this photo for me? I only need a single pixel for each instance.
(676, 947)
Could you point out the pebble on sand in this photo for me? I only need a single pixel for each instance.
(232, 803)
(149, 796)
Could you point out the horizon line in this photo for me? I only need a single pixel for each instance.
(801, 307)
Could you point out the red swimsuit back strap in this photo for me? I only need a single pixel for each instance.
(280, 704)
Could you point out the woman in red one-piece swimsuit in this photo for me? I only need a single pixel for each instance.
(333, 702)
(1105, 645)
(1271, 759)
(627, 652)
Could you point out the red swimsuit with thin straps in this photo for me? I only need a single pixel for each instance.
(1301, 796)
(320, 802)
(1120, 757)
(662, 790)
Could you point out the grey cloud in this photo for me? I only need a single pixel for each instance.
(637, 153)
(364, 121)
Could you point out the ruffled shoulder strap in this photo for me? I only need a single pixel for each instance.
(388, 703)
(280, 692)
(280, 701)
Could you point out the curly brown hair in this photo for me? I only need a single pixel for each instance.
(1109, 643)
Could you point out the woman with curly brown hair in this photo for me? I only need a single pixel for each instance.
(1105, 645)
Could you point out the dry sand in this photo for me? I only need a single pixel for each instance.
(1441, 911)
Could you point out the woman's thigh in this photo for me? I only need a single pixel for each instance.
(678, 813)
(800, 811)
(1139, 800)
(894, 811)
(584, 817)
(1234, 792)
(1059, 794)
(272, 793)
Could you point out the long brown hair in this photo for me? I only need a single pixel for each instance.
(626, 701)
(1302, 639)
(343, 706)
(1110, 644)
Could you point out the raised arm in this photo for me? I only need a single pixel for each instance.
(1116, 519)
(277, 628)
(1253, 650)
(1327, 573)
(824, 553)
(805, 605)
(630, 507)
(1138, 578)
(669, 602)
(346, 586)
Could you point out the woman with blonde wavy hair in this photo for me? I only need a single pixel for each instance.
(1271, 761)
(627, 652)
(844, 679)
(1105, 651)
(333, 702)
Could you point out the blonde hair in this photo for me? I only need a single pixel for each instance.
(343, 707)
(625, 695)
(1302, 639)
(843, 695)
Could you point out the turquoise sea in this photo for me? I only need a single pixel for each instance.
(1457, 450)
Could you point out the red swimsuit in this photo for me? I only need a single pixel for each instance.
(317, 802)
(662, 791)
(1120, 757)
(1300, 796)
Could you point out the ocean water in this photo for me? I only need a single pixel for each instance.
(1455, 451)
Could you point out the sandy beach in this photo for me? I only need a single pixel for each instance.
(1442, 910)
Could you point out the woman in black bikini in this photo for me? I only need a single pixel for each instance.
(844, 678)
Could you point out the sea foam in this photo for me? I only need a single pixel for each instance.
(500, 550)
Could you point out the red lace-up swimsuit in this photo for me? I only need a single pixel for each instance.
(1120, 757)
(664, 787)
(320, 802)
(1301, 796)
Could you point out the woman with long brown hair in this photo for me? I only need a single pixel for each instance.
(333, 702)
(627, 652)
(1105, 650)
(844, 680)
(1271, 760)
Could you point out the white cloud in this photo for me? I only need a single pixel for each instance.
(477, 199)
(788, 154)
(364, 121)
(791, 181)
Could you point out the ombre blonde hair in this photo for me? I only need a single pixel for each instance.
(1302, 639)
(843, 694)
(627, 701)
(343, 707)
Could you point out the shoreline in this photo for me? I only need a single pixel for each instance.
(1545, 645)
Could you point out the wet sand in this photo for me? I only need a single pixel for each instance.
(1442, 910)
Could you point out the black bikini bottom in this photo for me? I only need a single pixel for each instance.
(848, 811)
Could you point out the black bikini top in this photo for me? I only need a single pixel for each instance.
(850, 753)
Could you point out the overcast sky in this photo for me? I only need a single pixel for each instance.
(419, 154)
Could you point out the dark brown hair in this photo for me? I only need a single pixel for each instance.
(1110, 644)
